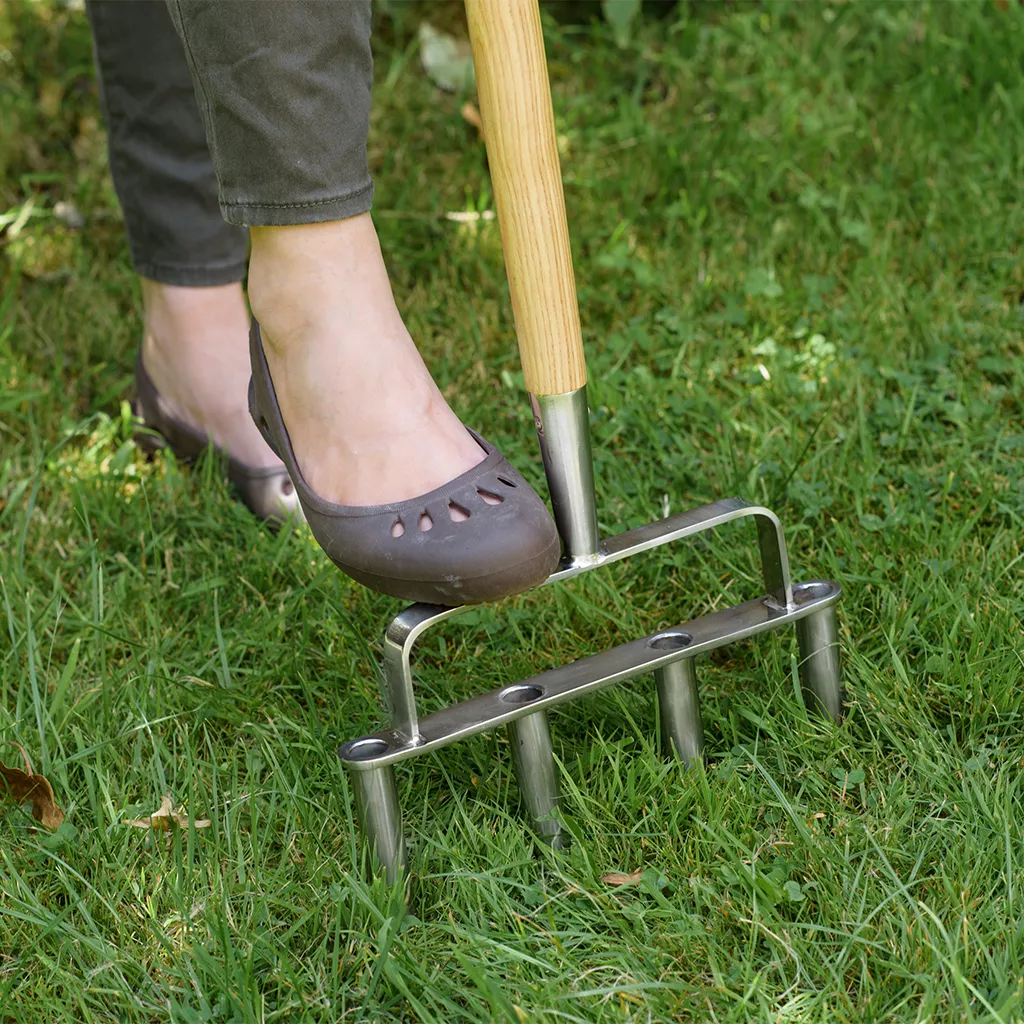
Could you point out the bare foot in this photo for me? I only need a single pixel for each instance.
(195, 349)
(368, 423)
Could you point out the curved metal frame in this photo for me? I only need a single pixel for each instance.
(409, 625)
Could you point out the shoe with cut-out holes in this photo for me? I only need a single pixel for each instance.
(482, 536)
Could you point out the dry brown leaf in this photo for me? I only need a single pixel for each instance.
(166, 818)
(472, 115)
(617, 878)
(21, 786)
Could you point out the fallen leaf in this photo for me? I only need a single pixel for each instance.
(447, 61)
(617, 878)
(22, 786)
(472, 115)
(166, 818)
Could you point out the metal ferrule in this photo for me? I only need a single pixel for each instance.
(563, 427)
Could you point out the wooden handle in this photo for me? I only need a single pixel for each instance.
(519, 131)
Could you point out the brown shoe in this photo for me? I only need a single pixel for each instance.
(267, 493)
(500, 549)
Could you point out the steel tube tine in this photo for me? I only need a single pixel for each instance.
(682, 733)
(380, 815)
(534, 760)
(821, 673)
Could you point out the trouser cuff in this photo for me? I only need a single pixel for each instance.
(286, 214)
(191, 276)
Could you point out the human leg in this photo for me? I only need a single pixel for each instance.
(288, 133)
(367, 420)
(285, 93)
(190, 261)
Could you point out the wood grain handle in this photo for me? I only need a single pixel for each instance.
(519, 131)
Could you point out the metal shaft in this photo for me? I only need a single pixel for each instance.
(563, 428)
(381, 816)
(821, 673)
(535, 771)
(679, 710)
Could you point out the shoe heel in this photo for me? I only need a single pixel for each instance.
(257, 418)
(147, 439)
(148, 442)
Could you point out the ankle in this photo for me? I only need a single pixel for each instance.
(193, 348)
(308, 278)
(176, 318)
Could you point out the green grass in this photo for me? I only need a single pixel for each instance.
(797, 233)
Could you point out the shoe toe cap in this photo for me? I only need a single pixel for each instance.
(497, 551)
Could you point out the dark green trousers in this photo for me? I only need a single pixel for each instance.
(223, 113)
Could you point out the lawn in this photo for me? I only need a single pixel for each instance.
(797, 236)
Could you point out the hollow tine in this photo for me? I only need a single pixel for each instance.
(682, 734)
(380, 815)
(534, 761)
(821, 673)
